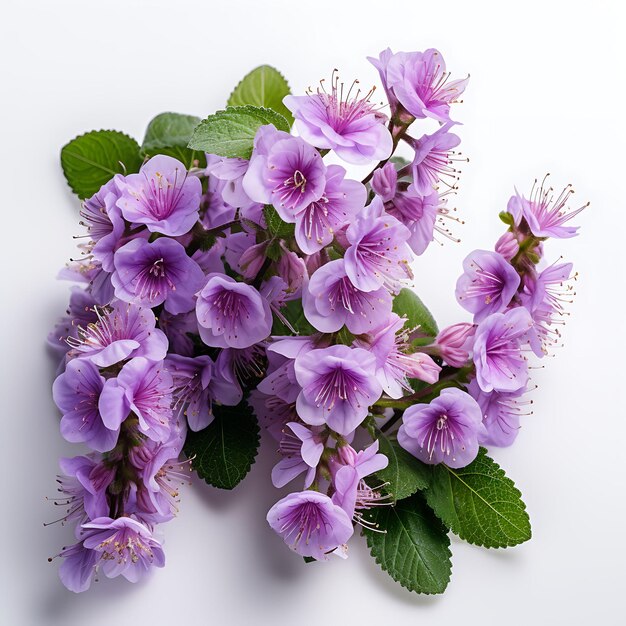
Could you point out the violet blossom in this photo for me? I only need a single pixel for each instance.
(162, 196)
(338, 387)
(432, 160)
(348, 469)
(395, 364)
(419, 82)
(104, 223)
(301, 448)
(145, 389)
(501, 414)
(318, 222)
(156, 273)
(331, 300)
(77, 393)
(284, 171)
(124, 547)
(378, 255)
(500, 363)
(120, 332)
(232, 314)
(310, 524)
(348, 124)
(487, 285)
(445, 431)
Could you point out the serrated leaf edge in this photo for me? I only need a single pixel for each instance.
(401, 582)
(87, 161)
(502, 476)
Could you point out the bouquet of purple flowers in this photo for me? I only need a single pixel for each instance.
(232, 277)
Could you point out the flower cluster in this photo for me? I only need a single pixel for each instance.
(275, 283)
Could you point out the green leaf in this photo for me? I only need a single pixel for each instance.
(275, 224)
(92, 159)
(263, 87)
(405, 474)
(479, 503)
(230, 133)
(294, 313)
(169, 133)
(224, 451)
(415, 549)
(408, 304)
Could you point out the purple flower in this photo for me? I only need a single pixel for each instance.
(77, 392)
(338, 387)
(384, 181)
(292, 269)
(349, 468)
(162, 196)
(80, 312)
(90, 271)
(331, 301)
(123, 546)
(145, 389)
(488, 284)
(444, 431)
(547, 216)
(394, 364)
(232, 314)
(272, 412)
(104, 222)
(310, 524)
(234, 368)
(419, 214)
(301, 449)
(230, 173)
(432, 160)
(150, 274)
(215, 210)
(454, 343)
(378, 255)
(317, 223)
(419, 81)
(177, 329)
(122, 331)
(350, 126)
(544, 296)
(501, 413)
(83, 487)
(284, 171)
(498, 357)
(161, 476)
(191, 378)
(78, 567)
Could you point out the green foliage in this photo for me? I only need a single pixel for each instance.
(263, 87)
(230, 133)
(479, 503)
(294, 314)
(414, 548)
(408, 304)
(92, 159)
(224, 451)
(405, 474)
(276, 227)
(169, 133)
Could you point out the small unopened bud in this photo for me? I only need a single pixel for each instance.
(507, 245)
(453, 343)
(384, 182)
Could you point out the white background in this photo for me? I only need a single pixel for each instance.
(546, 94)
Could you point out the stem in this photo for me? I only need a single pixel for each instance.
(200, 235)
(258, 279)
(397, 129)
